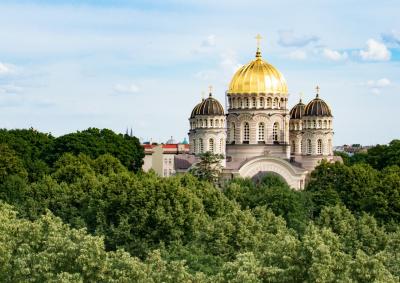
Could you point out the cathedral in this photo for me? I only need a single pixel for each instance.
(257, 134)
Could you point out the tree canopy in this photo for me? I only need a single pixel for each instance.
(90, 218)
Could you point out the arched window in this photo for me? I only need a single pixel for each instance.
(275, 103)
(325, 124)
(247, 103)
(319, 146)
(261, 102)
(246, 132)
(329, 124)
(319, 124)
(217, 123)
(254, 102)
(314, 124)
(201, 146)
(240, 103)
(222, 123)
(232, 132)
(309, 149)
(211, 145)
(211, 123)
(261, 132)
(275, 132)
(293, 149)
(201, 123)
(269, 102)
(221, 145)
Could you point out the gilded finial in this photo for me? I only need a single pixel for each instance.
(301, 97)
(210, 90)
(258, 38)
(317, 89)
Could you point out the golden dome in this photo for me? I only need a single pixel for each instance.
(258, 77)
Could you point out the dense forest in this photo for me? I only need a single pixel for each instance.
(77, 208)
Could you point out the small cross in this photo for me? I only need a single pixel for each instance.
(258, 38)
(301, 95)
(317, 89)
(210, 89)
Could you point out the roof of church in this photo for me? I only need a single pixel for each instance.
(297, 111)
(317, 107)
(208, 107)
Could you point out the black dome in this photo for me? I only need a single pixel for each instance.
(195, 109)
(317, 107)
(297, 111)
(210, 107)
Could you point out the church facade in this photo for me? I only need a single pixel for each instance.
(257, 134)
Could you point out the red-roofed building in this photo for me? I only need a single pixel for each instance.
(161, 158)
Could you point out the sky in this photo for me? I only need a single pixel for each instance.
(70, 65)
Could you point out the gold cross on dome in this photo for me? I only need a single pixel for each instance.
(210, 89)
(258, 38)
(317, 89)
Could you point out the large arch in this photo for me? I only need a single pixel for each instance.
(294, 176)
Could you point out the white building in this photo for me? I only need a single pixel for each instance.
(259, 134)
(161, 158)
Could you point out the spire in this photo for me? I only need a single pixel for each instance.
(131, 132)
(210, 89)
(317, 90)
(126, 133)
(258, 38)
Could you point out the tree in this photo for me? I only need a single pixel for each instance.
(380, 156)
(274, 193)
(10, 164)
(209, 168)
(95, 142)
(31, 147)
(46, 250)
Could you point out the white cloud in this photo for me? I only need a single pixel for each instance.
(126, 89)
(206, 75)
(7, 69)
(392, 38)
(334, 55)
(298, 55)
(10, 88)
(376, 86)
(376, 51)
(288, 38)
(229, 62)
(379, 83)
(209, 41)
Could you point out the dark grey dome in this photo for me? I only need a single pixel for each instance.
(317, 107)
(297, 111)
(195, 109)
(209, 107)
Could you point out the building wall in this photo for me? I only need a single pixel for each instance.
(203, 130)
(147, 162)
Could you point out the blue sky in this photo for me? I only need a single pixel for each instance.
(70, 65)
